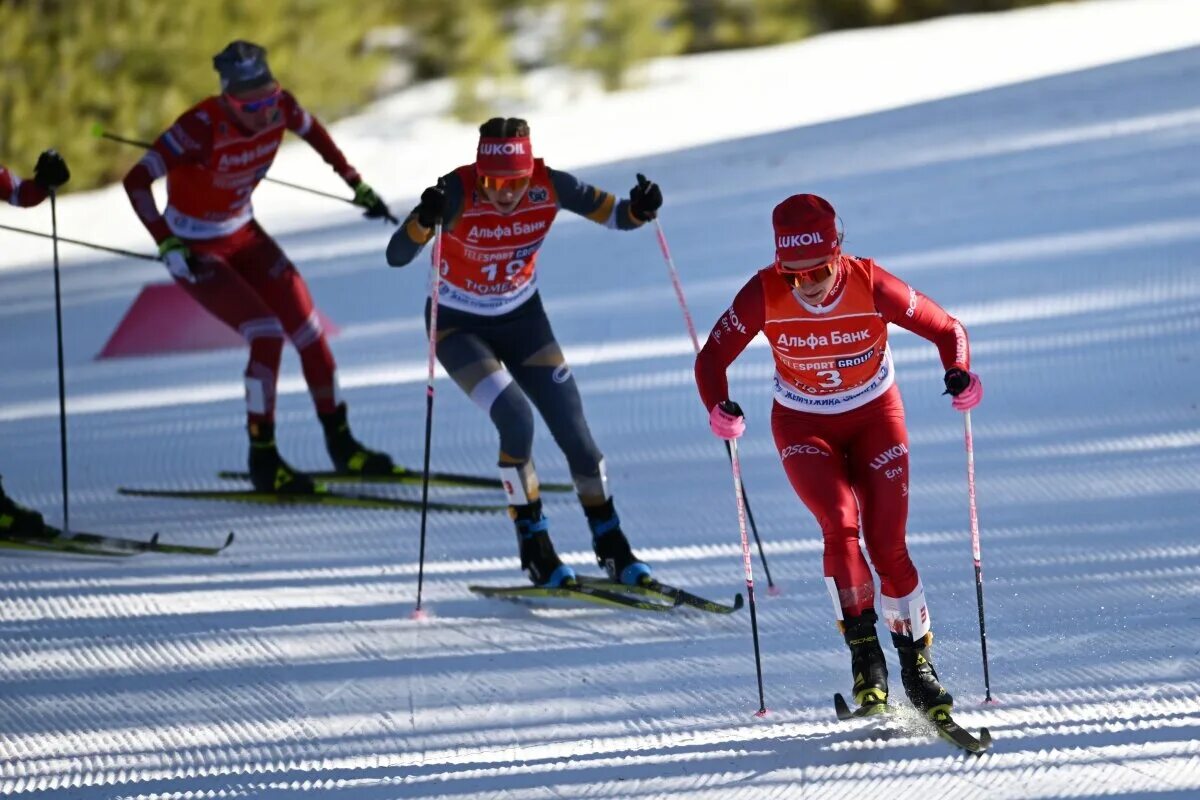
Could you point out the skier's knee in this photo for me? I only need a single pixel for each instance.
(513, 418)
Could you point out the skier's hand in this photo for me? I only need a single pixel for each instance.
(365, 197)
(645, 199)
(51, 171)
(965, 387)
(177, 257)
(726, 420)
(433, 205)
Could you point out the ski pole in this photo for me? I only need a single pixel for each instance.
(62, 384)
(749, 568)
(92, 245)
(99, 132)
(772, 589)
(433, 328)
(987, 684)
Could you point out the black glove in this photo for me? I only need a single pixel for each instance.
(433, 205)
(365, 197)
(645, 199)
(957, 381)
(730, 407)
(51, 171)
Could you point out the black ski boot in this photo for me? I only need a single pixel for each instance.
(268, 471)
(347, 453)
(18, 521)
(538, 559)
(866, 662)
(919, 676)
(612, 548)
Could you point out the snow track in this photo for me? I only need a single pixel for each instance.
(1060, 228)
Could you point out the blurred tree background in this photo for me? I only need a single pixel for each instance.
(134, 65)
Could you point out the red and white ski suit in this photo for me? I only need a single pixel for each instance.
(838, 420)
(212, 166)
(20, 192)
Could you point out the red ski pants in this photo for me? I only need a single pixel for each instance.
(248, 283)
(849, 466)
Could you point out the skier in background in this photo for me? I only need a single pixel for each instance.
(495, 340)
(49, 173)
(213, 157)
(838, 423)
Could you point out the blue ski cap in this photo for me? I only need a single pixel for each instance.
(242, 66)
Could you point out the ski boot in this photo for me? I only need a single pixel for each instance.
(347, 453)
(919, 676)
(18, 521)
(870, 690)
(268, 471)
(612, 548)
(538, 559)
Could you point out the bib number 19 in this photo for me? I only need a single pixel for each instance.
(510, 269)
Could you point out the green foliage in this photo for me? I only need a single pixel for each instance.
(724, 24)
(609, 38)
(468, 40)
(134, 65)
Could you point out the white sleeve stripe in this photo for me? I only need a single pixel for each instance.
(611, 222)
(154, 163)
(14, 198)
(305, 124)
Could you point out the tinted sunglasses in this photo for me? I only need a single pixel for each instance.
(250, 106)
(812, 275)
(498, 183)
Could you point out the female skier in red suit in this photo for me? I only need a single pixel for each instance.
(838, 424)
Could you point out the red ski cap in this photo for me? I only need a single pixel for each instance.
(508, 157)
(805, 231)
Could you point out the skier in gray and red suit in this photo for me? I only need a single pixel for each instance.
(213, 157)
(49, 173)
(838, 423)
(494, 337)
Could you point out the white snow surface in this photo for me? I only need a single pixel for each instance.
(1035, 172)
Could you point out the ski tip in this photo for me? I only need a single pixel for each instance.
(153, 540)
(738, 601)
(985, 740)
(228, 540)
(841, 708)
(773, 590)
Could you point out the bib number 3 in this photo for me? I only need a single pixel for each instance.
(833, 378)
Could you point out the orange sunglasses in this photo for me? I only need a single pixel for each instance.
(498, 183)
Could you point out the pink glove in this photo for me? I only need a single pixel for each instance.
(726, 420)
(969, 397)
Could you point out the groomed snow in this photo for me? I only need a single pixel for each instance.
(1034, 171)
